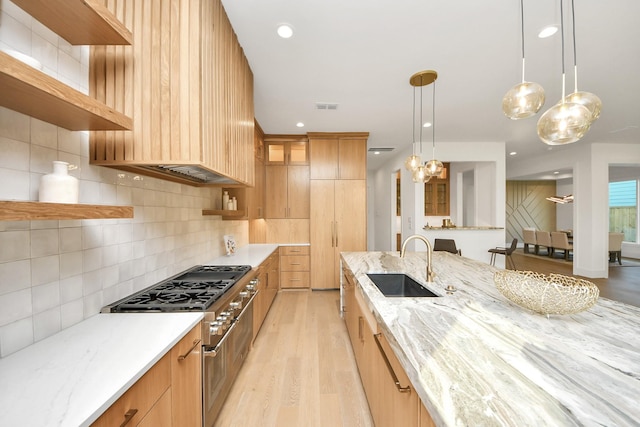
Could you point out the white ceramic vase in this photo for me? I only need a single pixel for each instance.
(59, 186)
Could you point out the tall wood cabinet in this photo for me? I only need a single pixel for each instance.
(187, 85)
(338, 155)
(338, 202)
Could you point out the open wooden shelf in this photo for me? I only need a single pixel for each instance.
(80, 22)
(32, 92)
(31, 211)
(224, 213)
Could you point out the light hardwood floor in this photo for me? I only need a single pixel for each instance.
(301, 371)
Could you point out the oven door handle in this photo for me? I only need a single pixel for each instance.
(214, 351)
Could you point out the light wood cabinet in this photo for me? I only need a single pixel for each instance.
(169, 394)
(392, 398)
(287, 191)
(338, 223)
(186, 380)
(286, 150)
(140, 400)
(338, 155)
(250, 199)
(437, 194)
(188, 86)
(294, 267)
(268, 284)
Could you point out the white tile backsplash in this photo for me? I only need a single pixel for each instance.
(46, 323)
(44, 242)
(15, 276)
(54, 274)
(14, 245)
(45, 297)
(14, 155)
(45, 269)
(71, 264)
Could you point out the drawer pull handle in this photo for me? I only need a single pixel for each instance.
(295, 263)
(129, 416)
(394, 377)
(294, 280)
(184, 356)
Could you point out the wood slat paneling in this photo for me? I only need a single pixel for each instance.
(187, 84)
(526, 206)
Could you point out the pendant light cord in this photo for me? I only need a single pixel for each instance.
(421, 126)
(433, 120)
(522, 34)
(562, 38)
(575, 60)
(413, 142)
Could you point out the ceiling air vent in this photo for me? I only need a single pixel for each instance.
(381, 149)
(326, 106)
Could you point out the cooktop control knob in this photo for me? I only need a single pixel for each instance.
(235, 305)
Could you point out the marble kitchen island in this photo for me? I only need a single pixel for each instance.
(475, 358)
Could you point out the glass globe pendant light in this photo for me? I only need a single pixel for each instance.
(588, 99)
(421, 79)
(524, 99)
(565, 122)
(413, 161)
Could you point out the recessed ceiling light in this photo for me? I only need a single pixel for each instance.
(285, 31)
(513, 153)
(376, 152)
(556, 173)
(300, 124)
(427, 125)
(548, 31)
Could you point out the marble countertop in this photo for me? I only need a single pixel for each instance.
(72, 377)
(475, 358)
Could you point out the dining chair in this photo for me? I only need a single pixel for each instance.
(506, 252)
(447, 245)
(543, 238)
(559, 240)
(529, 238)
(615, 247)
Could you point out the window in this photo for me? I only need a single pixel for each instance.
(623, 209)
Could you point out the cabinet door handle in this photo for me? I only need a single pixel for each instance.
(184, 356)
(333, 234)
(394, 377)
(360, 327)
(336, 234)
(129, 416)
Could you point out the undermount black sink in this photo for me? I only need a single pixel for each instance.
(399, 285)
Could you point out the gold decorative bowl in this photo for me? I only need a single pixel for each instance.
(552, 294)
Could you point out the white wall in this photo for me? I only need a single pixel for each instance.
(564, 212)
(491, 157)
(54, 274)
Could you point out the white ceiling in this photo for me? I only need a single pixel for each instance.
(360, 54)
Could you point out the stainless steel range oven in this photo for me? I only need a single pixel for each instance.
(225, 294)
